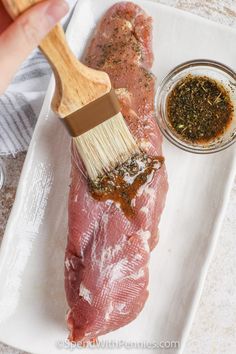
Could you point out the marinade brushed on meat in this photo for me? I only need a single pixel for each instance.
(107, 254)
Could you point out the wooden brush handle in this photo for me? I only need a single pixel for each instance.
(76, 84)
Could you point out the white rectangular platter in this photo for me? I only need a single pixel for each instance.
(32, 298)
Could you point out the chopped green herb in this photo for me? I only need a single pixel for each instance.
(199, 108)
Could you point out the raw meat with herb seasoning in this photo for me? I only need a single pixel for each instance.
(106, 262)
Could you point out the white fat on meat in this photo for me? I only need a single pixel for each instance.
(76, 198)
(124, 94)
(138, 275)
(145, 145)
(67, 264)
(117, 270)
(145, 236)
(85, 293)
(109, 311)
(138, 257)
(148, 190)
(111, 251)
(151, 193)
(105, 218)
(108, 254)
(144, 210)
(120, 307)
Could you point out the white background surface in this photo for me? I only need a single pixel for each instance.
(214, 328)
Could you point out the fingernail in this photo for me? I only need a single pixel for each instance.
(56, 10)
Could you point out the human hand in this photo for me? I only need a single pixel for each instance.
(19, 38)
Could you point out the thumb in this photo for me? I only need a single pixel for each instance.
(23, 35)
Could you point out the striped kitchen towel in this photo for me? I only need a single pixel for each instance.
(21, 103)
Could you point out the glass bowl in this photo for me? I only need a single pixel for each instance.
(201, 67)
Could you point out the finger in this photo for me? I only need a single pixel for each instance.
(5, 19)
(22, 36)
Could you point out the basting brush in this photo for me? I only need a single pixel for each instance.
(85, 102)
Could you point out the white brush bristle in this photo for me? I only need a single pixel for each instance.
(106, 146)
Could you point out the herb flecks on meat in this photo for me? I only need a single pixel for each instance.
(115, 52)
